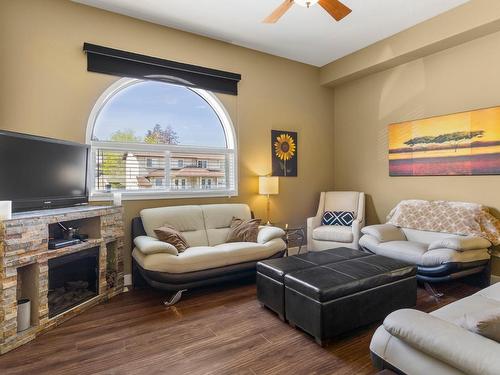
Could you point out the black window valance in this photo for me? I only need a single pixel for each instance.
(127, 64)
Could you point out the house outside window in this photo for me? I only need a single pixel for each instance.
(136, 153)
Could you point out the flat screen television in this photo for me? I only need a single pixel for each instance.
(40, 173)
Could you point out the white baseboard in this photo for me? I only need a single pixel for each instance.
(127, 279)
(495, 279)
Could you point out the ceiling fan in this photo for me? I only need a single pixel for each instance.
(334, 7)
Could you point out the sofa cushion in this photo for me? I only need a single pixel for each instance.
(486, 299)
(206, 257)
(492, 292)
(333, 233)
(243, 230)
(384, 232)
(342, 218)
(218, 219)
(188, 220)
(462, 243)
(403, 250)
(425, 236)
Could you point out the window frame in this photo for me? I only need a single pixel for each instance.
(230, 151)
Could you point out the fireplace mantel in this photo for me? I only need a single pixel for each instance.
(24, 257)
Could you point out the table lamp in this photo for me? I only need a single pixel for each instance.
(268, 185)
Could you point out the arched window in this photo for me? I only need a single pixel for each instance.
(150, 138)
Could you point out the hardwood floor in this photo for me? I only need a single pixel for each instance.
(220, 330)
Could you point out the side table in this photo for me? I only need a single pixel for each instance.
(294, 236)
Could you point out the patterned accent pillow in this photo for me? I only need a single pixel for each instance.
(485, 323)
(243, 230)
(343, 218)
(169, 234)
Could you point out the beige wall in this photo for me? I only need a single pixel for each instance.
(462, 78)
(46, 90)
(467, 22)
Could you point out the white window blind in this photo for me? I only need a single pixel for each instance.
(133, 169)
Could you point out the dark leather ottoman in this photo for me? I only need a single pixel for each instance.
(271, 273)
(331, 299)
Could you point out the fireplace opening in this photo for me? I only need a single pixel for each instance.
(73, 279)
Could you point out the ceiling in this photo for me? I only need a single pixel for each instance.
(310, 35)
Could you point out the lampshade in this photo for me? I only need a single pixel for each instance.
(268, 185)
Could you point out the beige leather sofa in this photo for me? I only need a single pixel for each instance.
(208, 259)
(417, 343)
(438, 256)
(323, 237)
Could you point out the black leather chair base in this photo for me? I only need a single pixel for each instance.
(271, 273)
(331, 299)
(189, 280)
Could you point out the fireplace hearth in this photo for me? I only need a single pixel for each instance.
(73, 279)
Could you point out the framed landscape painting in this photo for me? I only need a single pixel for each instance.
(284, 148)
(460, 144)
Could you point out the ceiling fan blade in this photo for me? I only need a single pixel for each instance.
(336, 9)
(278, 12)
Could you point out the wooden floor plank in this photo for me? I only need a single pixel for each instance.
(218, 330)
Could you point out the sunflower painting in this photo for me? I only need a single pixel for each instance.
(284, 153)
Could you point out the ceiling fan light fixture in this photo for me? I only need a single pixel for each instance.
(306, 3)
(334, 8)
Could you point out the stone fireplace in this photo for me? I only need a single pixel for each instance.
(73, 279)
(61, 283)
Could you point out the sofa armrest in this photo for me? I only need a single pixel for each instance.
(461, 243)
(314, 222)
(357, 225)
(268, 233)
(445, 341)
(149, 245)
(384, 232)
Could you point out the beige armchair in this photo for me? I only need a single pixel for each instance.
(323, 237)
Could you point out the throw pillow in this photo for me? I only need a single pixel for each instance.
(343, 218)
(169, 234)
(243, 230)
(485, 323)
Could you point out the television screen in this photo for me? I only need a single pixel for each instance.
(38, 172)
